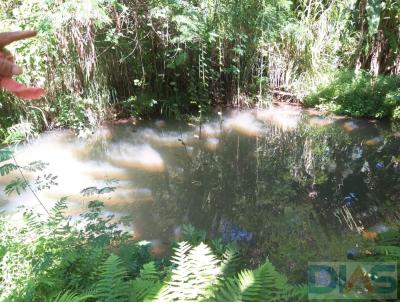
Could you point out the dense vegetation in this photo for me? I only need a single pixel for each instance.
(99, 262)
(109, 59)
(58, 258)
(117, 58)
(360, 95)
(55, 257)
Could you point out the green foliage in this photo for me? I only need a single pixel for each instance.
(194, 273)
(43, 257)
(94, 190)
(111, 285)
(118, 58)
(263, 284)
(374, 9)
(359, 95)
(52, 259)
(17, 185)
(71, 297)
(192, 235)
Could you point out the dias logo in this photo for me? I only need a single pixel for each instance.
(352, 280)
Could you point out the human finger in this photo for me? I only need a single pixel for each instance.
(8, 69)
(6, 54)
(9, 37)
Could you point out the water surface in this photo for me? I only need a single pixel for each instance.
(290, 185)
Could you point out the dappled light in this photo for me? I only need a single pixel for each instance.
(168, 139)
(244, 123)
(374, 141)
(142, 157)
(286, 118)
(212, 143)
(320, 121)
(350, 126)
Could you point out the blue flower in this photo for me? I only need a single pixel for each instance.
(380, 165)
(350, 198)
(234, 233)
(352, 253)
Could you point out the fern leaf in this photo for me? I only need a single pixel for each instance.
(5, 154)
(89, 191)
(57, 212)
(147, 285)
(17, 185)
(144, 290)
(149, 272)
(263, 284)
(196, 271)
(231, 262)
(106, 190)
(112, 285)
(34, 222)
(7, 168)
(71, 297)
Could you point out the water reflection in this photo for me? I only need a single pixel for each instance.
(305, 186)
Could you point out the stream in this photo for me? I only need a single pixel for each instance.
(285, 183)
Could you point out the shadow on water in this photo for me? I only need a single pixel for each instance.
(286, 184)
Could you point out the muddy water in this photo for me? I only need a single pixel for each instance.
(290, 185)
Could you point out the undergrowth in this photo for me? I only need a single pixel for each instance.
(360, 95)
(91, 259)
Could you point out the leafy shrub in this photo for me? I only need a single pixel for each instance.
(42, 257)
(360, 95)
(52, 258)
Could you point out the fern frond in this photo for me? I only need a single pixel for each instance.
(263, 284)
(112, 285)
(17, 185)
(193, 235)
(56, 216)
(94, 190)
(7, 168)
(89, 191)
(149, 272)
(144, 290)
(71, 297)
(106, 190)
(147, 285)
(5, 154)
(33, 221)
(231, 262)
(57, 212)
(196, 271)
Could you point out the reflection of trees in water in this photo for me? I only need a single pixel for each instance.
(263, 185)
(289, 188)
